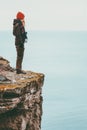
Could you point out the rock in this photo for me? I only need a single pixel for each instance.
(3, 61)
(2, 78)
(21, 100)
(4, 65)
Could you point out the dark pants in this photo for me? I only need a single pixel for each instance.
(20, 54)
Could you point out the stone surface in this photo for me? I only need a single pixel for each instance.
(20, 98)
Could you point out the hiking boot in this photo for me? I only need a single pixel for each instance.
(18, 71)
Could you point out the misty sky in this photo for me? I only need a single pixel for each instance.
(45, 14)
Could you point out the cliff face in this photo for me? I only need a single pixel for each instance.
(20, 99)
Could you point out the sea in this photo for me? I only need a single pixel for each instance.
(62, 57)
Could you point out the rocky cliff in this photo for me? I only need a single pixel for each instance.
(20, 98)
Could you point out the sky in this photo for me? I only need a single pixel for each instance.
(45, 14)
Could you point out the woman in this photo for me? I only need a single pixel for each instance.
(20, 38)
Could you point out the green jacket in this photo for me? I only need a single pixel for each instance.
(19, 33)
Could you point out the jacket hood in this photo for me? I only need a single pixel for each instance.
(17, 22)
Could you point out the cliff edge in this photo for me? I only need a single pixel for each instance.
(20, 98)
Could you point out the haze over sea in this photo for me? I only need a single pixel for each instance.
(62, 57)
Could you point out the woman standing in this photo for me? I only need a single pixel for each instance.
(20, 38)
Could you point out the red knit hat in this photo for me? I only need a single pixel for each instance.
(20, 15)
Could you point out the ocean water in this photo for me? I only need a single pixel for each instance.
(62, 57)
